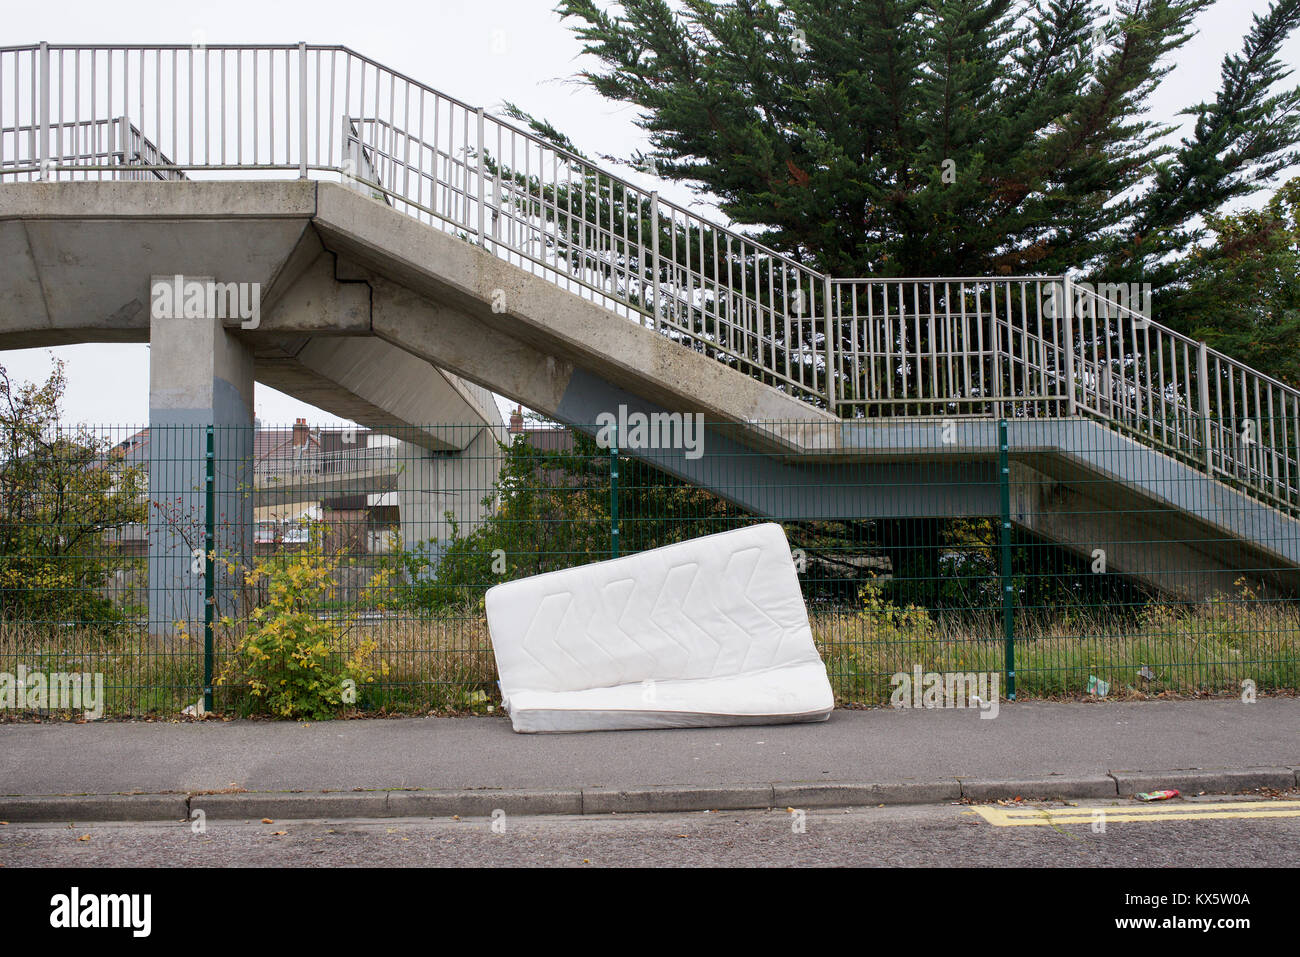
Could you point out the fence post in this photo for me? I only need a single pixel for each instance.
(1203, 377)
(1008, 589)
(832, 343)
(1069, 346)
(302, 110)
(209, 565)
(613, 492)
(45, 111)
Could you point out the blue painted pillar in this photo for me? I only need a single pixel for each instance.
(199, 375)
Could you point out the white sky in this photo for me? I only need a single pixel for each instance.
(481, 51)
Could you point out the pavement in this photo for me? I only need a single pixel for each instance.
(469, 766)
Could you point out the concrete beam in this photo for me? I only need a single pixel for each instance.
(827, 487)
(314, 301)
(511, 304)
(76, 261)
(448, 338)
(1152, 545)
(436, 491)
(379, 386)
(75, 258)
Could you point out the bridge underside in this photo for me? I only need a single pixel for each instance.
(379, 318)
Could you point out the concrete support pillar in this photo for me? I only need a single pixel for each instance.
(438, 489)
(199, 375)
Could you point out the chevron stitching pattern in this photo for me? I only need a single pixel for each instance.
(655, 616)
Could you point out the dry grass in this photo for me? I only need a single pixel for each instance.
(1210, 648)
(141, 675)
(445, 664)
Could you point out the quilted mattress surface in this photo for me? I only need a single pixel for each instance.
(707, 632)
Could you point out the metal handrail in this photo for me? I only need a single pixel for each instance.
(865, 346)
(340, 462)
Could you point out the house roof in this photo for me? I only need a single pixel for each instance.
(267, 444)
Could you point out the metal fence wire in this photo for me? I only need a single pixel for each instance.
(1062, 556)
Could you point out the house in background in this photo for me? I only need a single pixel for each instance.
(345, 479)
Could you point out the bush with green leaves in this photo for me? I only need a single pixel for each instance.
(63, 494)
(292, 655)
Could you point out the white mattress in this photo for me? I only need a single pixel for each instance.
(702, 633)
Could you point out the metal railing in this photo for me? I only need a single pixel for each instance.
(949, 346)
(1003, 346)
(1180, 395)
(112, 144)
(286, 463)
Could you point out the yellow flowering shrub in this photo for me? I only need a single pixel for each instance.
(294, 658)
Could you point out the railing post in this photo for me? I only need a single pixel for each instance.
(1008, 588)
(209, 565)
(302, 110)
(44, 95)
(1068, 296)
(995, 346)
(832, 348)
(654, 257)
(1203, 386)
(124, 138)
(482, 176)
(351, 156)
(497, 204)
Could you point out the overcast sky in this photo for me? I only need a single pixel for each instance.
(481, 51)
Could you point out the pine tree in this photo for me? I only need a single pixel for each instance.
(947, 137)
(1242, 292)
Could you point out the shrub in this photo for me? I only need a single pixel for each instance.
(294, 660)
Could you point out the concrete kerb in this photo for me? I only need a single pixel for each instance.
(1093, 786)
(666, 799)
(851, 795)
(327, 805)
(1221, 781)
(94, 807)
(483, 803)
(292, 806)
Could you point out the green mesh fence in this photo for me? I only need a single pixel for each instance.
(227, 568)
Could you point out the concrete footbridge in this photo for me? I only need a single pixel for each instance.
(394, 256)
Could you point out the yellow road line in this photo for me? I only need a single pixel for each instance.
(1045, 817)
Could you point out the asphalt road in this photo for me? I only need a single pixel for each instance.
(917, 836)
